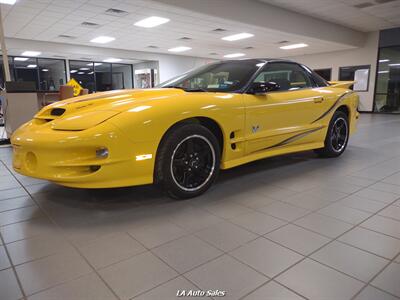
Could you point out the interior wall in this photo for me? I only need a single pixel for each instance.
(366, 55)
(169, 65)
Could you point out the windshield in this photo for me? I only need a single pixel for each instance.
(218, 77)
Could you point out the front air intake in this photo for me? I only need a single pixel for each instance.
(57, 111)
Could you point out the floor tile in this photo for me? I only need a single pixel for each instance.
(391, 211)
(272, 291)
(384, 225)
(372, 241)
(156, 234)
(362, 204)
(298, 239)
(284, 211)
(226, 209)
(136, 275)
(371, 293)
(226, 236)
(307, 202)
(352, 261)
(83, 288)
(8, 182)
(386, 187)
(169, 290)
(278, 259)
(323, 225)
(27, 229)
(393, 179)
(19, 215)
(258, 222)
(13, 193)
(47, 272)
(188, 219)
(316, 281)
(255, 200)
(186, 253)
(376, 195)
(4, 261)
(110, 249)
(276, 192)
(212, 276)
(388, 280)
(343, 213)
(37, 247)
(14, 203)
(8, 286)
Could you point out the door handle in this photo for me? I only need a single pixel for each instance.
(318, 99)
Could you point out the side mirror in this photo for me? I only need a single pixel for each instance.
(261, 88)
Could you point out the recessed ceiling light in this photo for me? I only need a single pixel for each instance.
(73, 71)
(31, 53)
(97, 64)
(294, 46)
(112, 60)
(383, 72)
(116, 12)
(91, 73)
(80, 73)
(10, 2)
(239, 36)
(151, 22)
(383, 60)
(21, 58)
(102, 39)
(90, 24)
(394, 65)
(45, 70)
(31, 66)
(84, 69)
(179, 49)
(234, 55)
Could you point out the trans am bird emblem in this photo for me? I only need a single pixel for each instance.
(255, 128)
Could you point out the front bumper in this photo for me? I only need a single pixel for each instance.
(69, 157)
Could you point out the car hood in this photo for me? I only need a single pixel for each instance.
(83, 112)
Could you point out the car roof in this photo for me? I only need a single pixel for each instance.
(259, 60)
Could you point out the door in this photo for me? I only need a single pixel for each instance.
(281, 115)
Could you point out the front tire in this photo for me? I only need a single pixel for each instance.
(337, 136)
(187, 161)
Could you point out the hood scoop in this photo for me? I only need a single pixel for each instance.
(57, 112)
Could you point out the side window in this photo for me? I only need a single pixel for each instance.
(288, 76)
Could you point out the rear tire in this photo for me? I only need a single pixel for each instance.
(188, 161)
(337, 136)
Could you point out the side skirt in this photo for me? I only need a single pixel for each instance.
(269, 153)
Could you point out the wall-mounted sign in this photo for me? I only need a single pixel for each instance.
(77, 87)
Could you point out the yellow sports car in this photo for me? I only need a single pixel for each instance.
(182, 133)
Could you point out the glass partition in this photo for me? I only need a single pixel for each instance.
(26, 69)
(83, 72)
(387, 90)
(51, 74)
(103, 76)
(121, 76)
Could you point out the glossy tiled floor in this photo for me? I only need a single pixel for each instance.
(290, 227)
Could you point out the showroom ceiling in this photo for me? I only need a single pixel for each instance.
(363, 15)
(79, 21)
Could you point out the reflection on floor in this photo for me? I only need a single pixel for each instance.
(289, 227)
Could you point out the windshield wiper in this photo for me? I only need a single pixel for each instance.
(185, 89)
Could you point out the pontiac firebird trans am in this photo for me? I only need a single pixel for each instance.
(182, 133)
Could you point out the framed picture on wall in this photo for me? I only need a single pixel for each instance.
(359, 74)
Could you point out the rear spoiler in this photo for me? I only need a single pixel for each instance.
(341, 84)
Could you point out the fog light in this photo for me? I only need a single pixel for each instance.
(102, 153)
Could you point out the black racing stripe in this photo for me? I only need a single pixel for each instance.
(293, 138)
(332, 107)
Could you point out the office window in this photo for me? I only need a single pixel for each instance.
(121, 76)
(360, 74)
(26, 70)
(51, 74)
(83, 72)
(324, 73)
(103, 76)
(387, 90)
